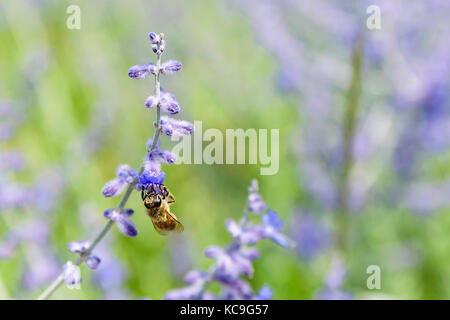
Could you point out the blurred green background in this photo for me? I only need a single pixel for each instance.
(82, 116)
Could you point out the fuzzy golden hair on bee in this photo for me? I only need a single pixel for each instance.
(157, 200)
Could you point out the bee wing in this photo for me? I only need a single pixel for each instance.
(171, 224)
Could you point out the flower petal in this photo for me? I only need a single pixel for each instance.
(93, 262)
(78, 246)
(172, 127)
(169, 104)
(71, 274)
(153, 167)
(170, 67)
(151, 102)
(126, 226)
(111, 214)
(140, 71)
(265, 293)
(113, 188)
(271, 220)
(146, 178)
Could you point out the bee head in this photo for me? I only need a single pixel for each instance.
(152, 201)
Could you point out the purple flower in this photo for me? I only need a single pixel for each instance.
(168, 103)
(170, 67)
(80, 248)
(151, 102)
(164, 156)
(13, 195)
(265, 293)
(110, 275)
(248, 235)
(232, 263)
(150, 143)
(310, 236)
(334, 295)
(334, 280)
(237, 290)
(158, 43)
(44, 267)
(172, 127)
(155, 38)
(11, 161)
(272, 226)
(71, 274)
(153, 167)
(47, 189)
(195, 276)
(251, 234)
(255, 202)
(153, 159)
(145, 179)
(93, 262)
(190, 292)
(7, 247)
(125, 175)
(159, 48)
(123, 221)
(196, 280)
(140, 71)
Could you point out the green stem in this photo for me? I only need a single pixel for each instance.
(51, 288)
(350, 121)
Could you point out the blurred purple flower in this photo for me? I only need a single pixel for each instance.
(11, 160)
(234, 261)
(265, 293)
(13, 195)
(426, 197)
(196, 280)
(272, 227)
(333, 282)
(42, 268)
(47, 188)
(247, 234)
(310, 235)
(255, 203)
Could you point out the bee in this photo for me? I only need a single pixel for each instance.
(156, 200)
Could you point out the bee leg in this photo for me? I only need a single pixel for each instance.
(144, 195)
(170, 198)
(167, 194)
